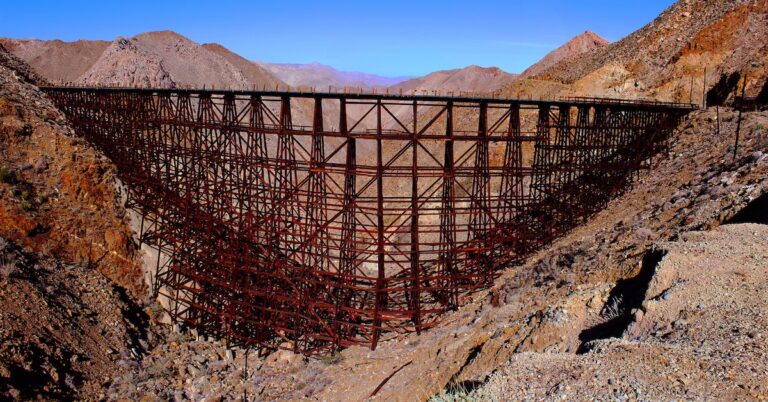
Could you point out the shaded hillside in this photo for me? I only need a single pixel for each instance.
(469, 79)
(321, 76)
(254, 74)
(55, 60)
(579, 45)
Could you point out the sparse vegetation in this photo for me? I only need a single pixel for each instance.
(7, 175)
(460, 393)
(26, 205)
(759, 127)
(335, 358)
(7, 268)
(27, 201)
(24, 131)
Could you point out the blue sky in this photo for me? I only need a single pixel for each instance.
(390, 37)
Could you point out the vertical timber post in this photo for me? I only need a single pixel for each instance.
(448, 218)
(416, 291)
(379, 299)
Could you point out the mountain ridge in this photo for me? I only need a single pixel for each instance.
(576, 46)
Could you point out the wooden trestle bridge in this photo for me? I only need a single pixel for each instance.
(324, 220)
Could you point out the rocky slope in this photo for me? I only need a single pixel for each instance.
(64, 329)
(127, 63)
(320, 76)
(577, 46)
(18, 68)
(59, 196)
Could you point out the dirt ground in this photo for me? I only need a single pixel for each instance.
(700, 333)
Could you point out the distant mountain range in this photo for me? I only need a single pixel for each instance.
(472, 78)
(168, 59)
(321, 76)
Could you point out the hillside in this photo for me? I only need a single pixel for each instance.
(55, 60)
(70, 276)
(163, 59)
(127, 63)
(254, 74)
(577, 46)
(321, 76)
(469, 79)
(166, 59)
(663, 59)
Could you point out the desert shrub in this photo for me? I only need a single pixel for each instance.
(24, 131)
(335, 358)
(25, 205)
(459, 393)
(7, 268)
(7, 175)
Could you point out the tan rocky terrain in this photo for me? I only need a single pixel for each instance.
(576, 47)
(698, 334)
(127, 63)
